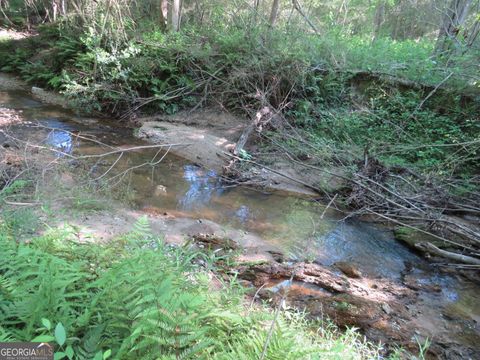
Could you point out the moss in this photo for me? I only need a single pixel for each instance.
(410, 237)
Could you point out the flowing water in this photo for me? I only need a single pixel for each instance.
(295, 225)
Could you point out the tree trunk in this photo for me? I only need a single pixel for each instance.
(429, 247)
(162, 13)
(473, 33)
(256, 6)
(54, 10)
(379, 18)
(454, 19)
(176, 8)
(169, 14)
(274, 13)
(61, 8)
(297, 7)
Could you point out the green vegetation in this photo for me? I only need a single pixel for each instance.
(138, 298)
(400, 134)
(369, 88)
(341, 87)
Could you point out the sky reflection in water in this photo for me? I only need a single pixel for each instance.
(202, 186)
(61, 140)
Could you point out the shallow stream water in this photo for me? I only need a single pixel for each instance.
(294, 225)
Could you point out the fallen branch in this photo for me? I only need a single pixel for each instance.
(312, 187)
(328, 206)
(429, 247)
(388, 218)
(297, 7)
(430, 94)
(83, 157)
(21, 203)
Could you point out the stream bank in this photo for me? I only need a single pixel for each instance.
(209, 137)
(357, 274)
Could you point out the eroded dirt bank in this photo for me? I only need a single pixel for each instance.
(209, 137)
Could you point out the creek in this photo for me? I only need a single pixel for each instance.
(300, 227)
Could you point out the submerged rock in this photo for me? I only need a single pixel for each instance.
(348, 269)
(215, 242)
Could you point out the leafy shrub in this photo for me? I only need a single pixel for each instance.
(391, 126)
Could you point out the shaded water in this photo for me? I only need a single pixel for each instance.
(290, 223)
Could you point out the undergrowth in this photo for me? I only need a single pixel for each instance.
(139, 298)
(312, 80)
(228, 63)
(389, 125)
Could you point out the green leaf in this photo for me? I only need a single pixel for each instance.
(59, 355)
(98, 356)
(107, 354)
(43, 338)
(46, 323)
(69, 352)
(60, 334)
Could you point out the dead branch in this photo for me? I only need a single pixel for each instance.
(429, 247)
(309, 186)
(297, 7)
(328, 206)
(93, 156)
(388, 218)
(430, 94)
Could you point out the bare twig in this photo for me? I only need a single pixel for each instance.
(328, 206)
(430, 94)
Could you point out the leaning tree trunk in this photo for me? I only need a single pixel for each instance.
(274, 13)
(473, 33)
(454, 19)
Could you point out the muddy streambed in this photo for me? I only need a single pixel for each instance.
(445, 307)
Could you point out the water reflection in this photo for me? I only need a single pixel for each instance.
(202, 186)
(18, 100)
(376, 251)
(61, 140)
(243, 214)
